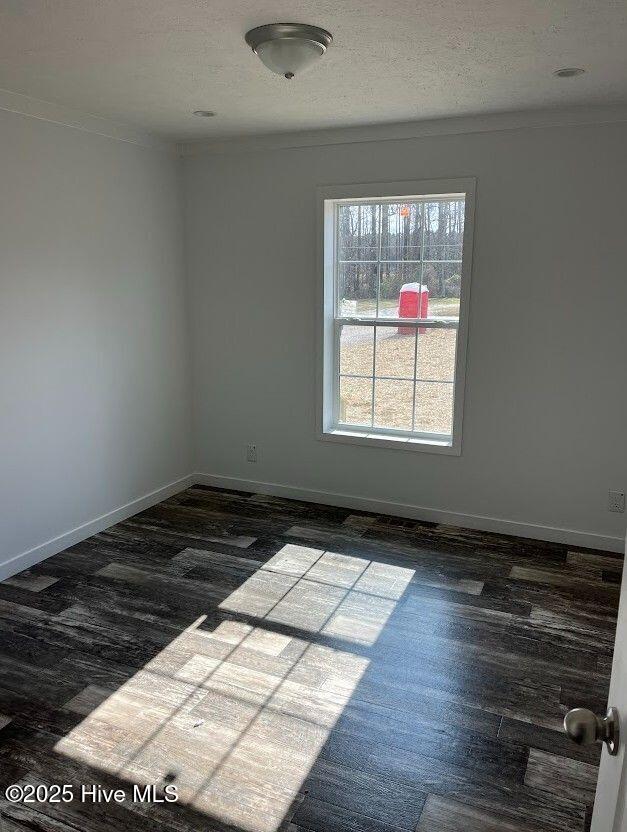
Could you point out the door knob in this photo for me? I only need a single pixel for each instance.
(584, 727)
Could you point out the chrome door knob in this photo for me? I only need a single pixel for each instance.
(585, 728)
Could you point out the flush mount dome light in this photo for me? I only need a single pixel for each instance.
(288, 48)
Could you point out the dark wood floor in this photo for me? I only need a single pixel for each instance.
(298, 667)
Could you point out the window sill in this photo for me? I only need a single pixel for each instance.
(401, 443)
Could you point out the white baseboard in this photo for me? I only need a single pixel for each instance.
(570, 537)
(98, 524)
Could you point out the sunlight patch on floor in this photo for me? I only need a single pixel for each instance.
(236, 716)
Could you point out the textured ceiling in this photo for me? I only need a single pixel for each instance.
(149, 63)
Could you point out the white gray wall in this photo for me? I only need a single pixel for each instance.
(94, 358)
(94, 370)
(546, 396)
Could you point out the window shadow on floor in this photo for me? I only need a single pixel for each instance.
(291, 686)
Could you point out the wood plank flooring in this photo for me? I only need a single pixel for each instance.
(290, 667)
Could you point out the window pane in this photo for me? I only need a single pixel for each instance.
(358, 232)
(436, 355)
(443, 252)
(419, 241)
(393, 402)
(434, 407)
(355, 401)
(398, 260)
(395, 352)
(401, 231)
(444, 228)
(356, 350)
(358, 289)
(395, 276)
(443, 281)
(440, 281)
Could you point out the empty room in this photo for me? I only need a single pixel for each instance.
(312, 416)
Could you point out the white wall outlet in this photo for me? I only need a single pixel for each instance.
(616, 501)
(251, 454)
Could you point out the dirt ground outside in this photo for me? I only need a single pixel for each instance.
(429, 357)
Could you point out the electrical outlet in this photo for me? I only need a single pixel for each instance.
(616, 501)
(251, 454)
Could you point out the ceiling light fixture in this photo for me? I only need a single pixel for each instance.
(204, 113)
(288, 48)
(569, 72)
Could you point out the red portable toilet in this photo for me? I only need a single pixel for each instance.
(413, 302)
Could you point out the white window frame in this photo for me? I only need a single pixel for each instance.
(327, 370)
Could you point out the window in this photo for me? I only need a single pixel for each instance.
(396, 265)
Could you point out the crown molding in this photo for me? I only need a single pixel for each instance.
(24, 105)
(494, 122)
